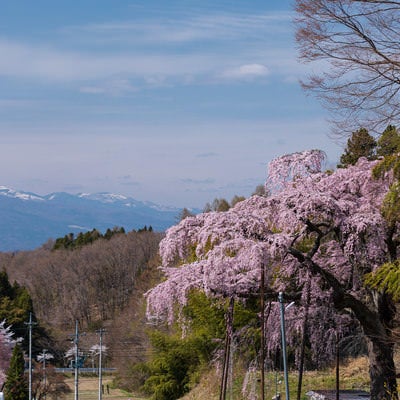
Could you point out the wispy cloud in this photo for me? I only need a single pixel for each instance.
(114, 87)
(30, 61)
(206, 155)
(155, 51)
(181, 29)
(207, 181)
(246, 72)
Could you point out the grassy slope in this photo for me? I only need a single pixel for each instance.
(353, 375)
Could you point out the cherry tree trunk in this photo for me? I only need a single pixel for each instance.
(382, 370)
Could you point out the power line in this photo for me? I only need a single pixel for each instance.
(76, 343)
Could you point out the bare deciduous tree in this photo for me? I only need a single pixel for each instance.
(355, 45)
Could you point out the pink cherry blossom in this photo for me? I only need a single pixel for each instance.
(6, 346)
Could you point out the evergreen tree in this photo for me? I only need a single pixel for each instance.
(15, 307)
(361, 144)
(389, 142)
(16, 387)
(5, 286)
(15, 303)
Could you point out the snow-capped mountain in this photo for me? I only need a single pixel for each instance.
(28, 220)
(5, 191)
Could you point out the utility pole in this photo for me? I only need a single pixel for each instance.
(43, 357)
(100, 332)
(76, 343)
(30, 324)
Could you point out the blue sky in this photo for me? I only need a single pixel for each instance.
(176, 102)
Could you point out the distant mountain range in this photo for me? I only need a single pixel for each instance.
(28, 220)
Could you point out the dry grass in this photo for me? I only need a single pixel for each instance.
(353, 375)
(89, 389)
(207, 389)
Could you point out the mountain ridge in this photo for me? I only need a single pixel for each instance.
(29, 220)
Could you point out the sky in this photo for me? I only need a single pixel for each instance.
(177, 102)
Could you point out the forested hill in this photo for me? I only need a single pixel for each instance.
(28, 220)
(99, 283)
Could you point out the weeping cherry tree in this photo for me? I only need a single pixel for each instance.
(318, 234)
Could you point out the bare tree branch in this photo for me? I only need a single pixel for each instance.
(358, 42)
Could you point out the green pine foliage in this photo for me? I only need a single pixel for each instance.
(15, 304)
(389, 142)
(360, 144)
(6, 290)
(16, 387)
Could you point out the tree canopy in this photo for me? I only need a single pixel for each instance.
(319, 230)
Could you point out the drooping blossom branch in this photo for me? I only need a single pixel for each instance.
(287, 168)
